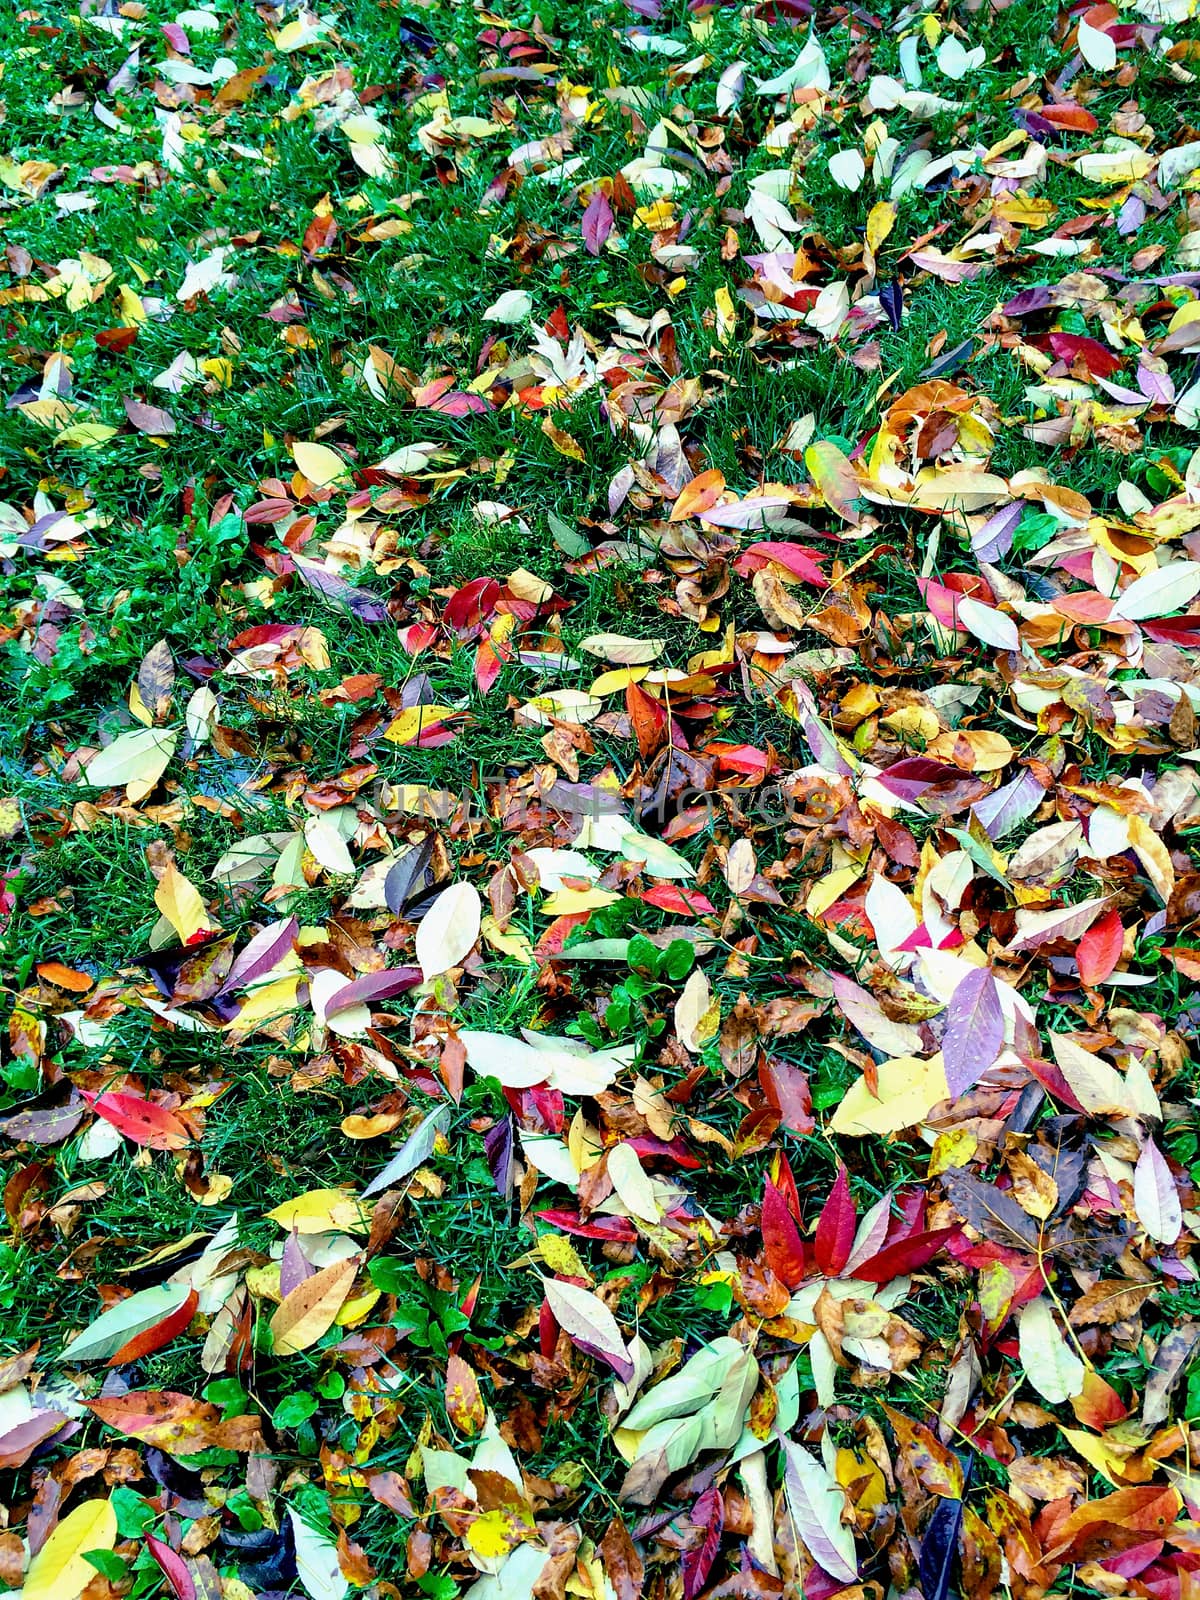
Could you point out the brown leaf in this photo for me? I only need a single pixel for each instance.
(621, 1562)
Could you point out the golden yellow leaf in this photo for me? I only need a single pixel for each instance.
(1153, 855)
(179, 901)
(311, 1308)
(413, 721)
(320, 1211)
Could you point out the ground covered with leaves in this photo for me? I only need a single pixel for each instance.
(600, 800)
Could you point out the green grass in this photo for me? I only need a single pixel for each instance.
(153, 569)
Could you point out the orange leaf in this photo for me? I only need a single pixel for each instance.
(699, 496)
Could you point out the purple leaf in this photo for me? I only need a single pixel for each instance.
(498, 1145)
(1131, 216)
(374, 986)
(295, 1266)
(891, 298)
(708, 1513)
(909, 778)
(367, 607)
(1155, 385)
(597, 222)
(995, 538)
(1155, 1197)
(1028, 300)
(268, 946)
(1005, 808)
(974, 1032)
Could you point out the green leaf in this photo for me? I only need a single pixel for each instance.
(107, 1563)
(678, 959)
(294, 1409)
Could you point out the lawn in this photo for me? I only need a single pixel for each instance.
(599, 801)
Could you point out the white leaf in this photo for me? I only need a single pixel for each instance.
(585, 1317)
(847, 169)
(200, 715)
(1051, 1366)
(317, 1562)
(816, 1502)
(730, 87)
(1099, 1087)
(418, 1147)
(513, 306)
(327, 847)
(1096, 47)
(954, 61)
(986, 623)
(634, 1189)
(138, 758)
(520, 1063)
(352, 1021)
(448, 929)
(831, 310)
(120, 1323)
(1160, 592)
(809, 70)
(1155, 1197)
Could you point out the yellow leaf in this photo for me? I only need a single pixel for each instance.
(408, 727)
(493, 1535)
(909, 1088)
(59, 1571)
(620, 678)
(827, 891)
(561, 1256)
(319, 464)
(510, 942)
(309, 1311)
(881, 219)
(179, 901)
(568, 901)
(86, 435)
(320, 1211)
(1153, 855)
(1106, 1461)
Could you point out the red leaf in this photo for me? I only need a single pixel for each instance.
(618, 1228)
(487, 666)
(1099, 361)
(788, 1092)
(708, 1513)
(782, 1243)
(470, 606)
(173, 1567)
(160, 1335)
(1070, 116)
(597, 222)
(835, 1228)
(784, 1180)
(906, 1255)
(116, 339)
(140, 1120)
(681, 902)
(649, 719)
(801, 560)
(1100, 948)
